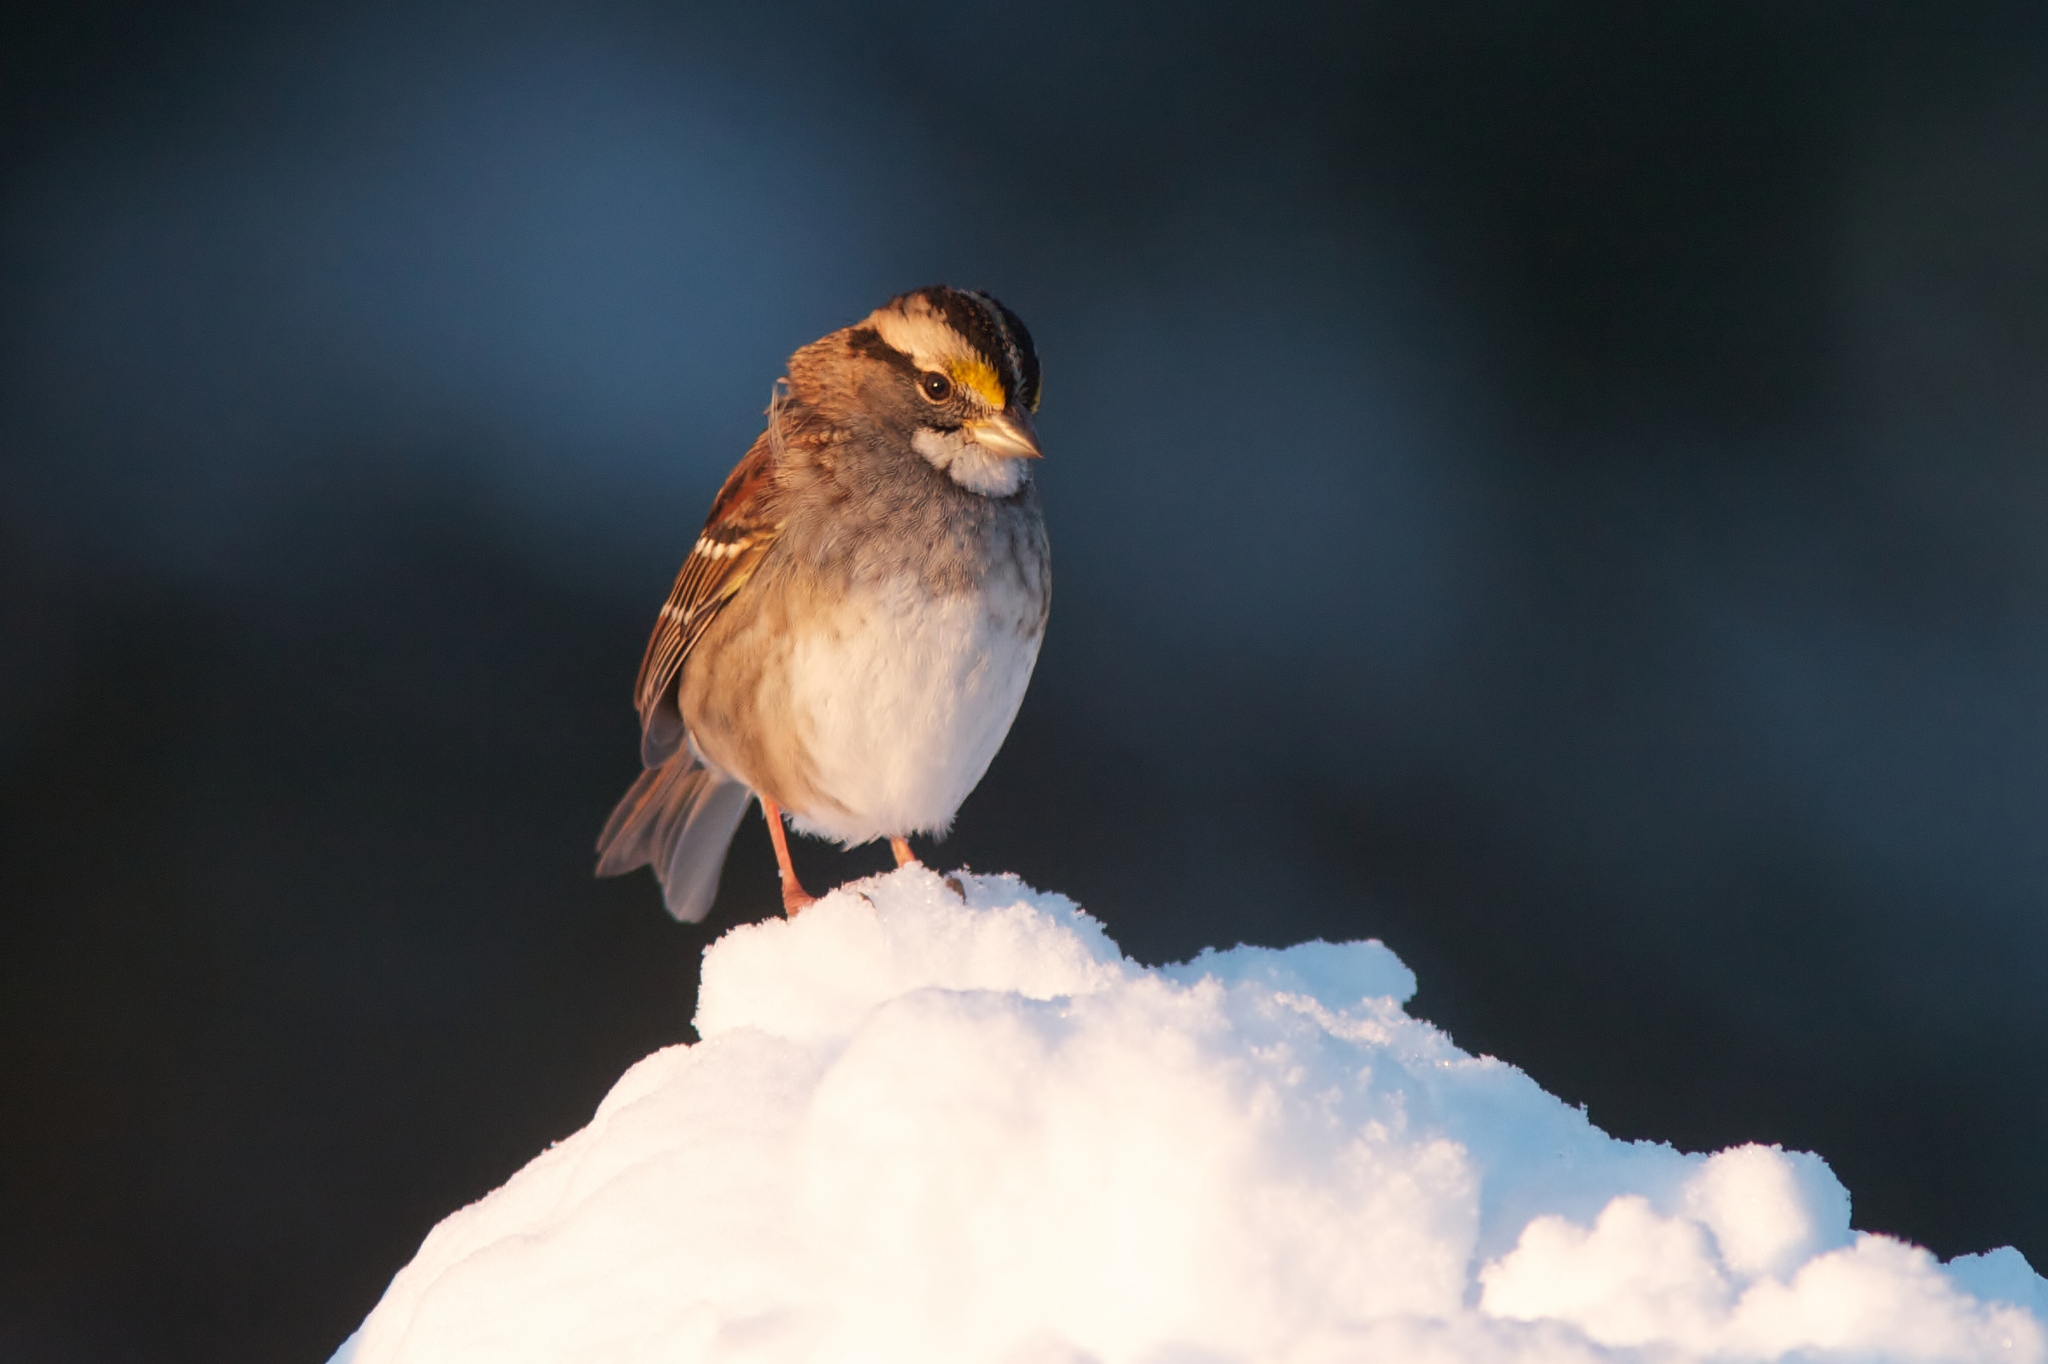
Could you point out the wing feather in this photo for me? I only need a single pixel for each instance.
(744, 524)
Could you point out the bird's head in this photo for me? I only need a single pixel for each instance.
(954, 371)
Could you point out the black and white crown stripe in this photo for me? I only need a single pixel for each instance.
(996, 333)
(988, 328)
(1017, 348)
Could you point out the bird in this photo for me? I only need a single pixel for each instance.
(851, 635)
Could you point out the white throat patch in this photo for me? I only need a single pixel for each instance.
(974, 467)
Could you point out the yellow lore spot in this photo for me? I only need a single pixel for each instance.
(979, 377)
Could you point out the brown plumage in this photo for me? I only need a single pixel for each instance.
(851, 633)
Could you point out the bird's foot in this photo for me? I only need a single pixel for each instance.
(794, 896)
(906, 858)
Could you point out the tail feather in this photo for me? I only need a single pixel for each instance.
(678, 818)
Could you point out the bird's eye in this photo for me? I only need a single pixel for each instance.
(936, 386)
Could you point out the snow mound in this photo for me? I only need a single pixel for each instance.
(922, 1130)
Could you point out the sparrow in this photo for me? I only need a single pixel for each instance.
(852, 633)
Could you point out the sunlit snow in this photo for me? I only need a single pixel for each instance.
(917, 1130)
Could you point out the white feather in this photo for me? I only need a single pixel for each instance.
(973, 466)
(902, 699)
(922, 334)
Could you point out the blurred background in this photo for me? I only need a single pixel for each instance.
(1559, 488)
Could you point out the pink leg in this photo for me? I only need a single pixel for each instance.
(901, 847)
(794, 896)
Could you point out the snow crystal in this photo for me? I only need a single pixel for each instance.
(916, 1129)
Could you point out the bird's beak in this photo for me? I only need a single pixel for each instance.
(1009, 435)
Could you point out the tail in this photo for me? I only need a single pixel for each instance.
(678, 818)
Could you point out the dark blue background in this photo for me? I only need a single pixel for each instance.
(1559, 488)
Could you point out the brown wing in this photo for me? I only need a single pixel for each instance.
(743, 524)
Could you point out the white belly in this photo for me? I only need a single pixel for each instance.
(902, 699)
